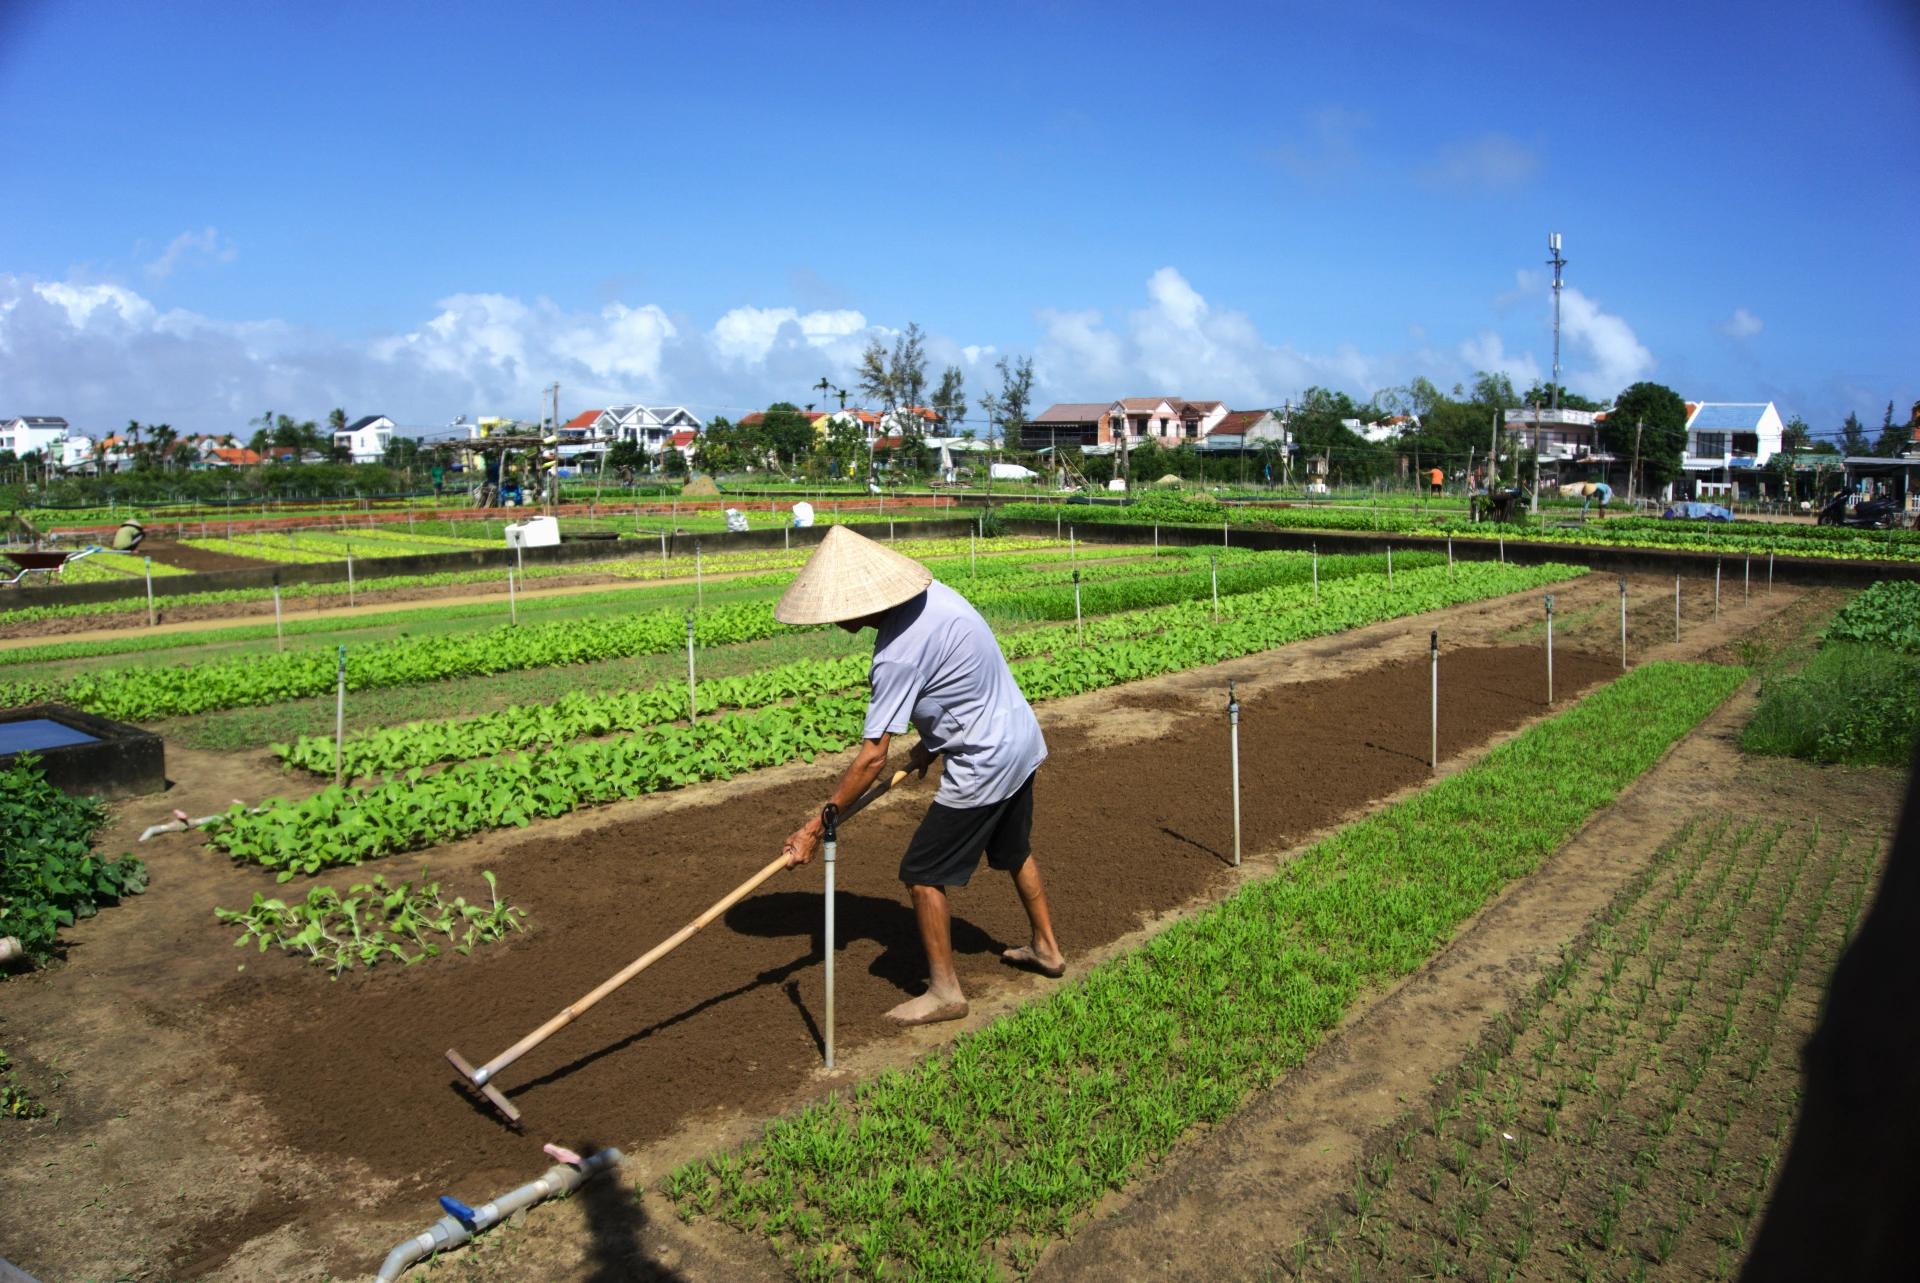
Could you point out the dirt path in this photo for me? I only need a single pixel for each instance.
(270, 1090)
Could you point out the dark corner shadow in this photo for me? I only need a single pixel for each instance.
(615, 1224)
(1197, 845)
(799, 913)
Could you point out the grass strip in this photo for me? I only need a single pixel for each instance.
(965, 1165)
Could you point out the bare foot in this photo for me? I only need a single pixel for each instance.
(928, 1009)
(1024, 957)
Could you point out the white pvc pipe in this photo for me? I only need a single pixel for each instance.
(561, 1178)
(832, 851)
(1233, 725)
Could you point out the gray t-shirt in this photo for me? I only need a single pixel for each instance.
(936, 666)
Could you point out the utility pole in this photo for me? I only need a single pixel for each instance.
(1533, 504)
(1556, 262)
(1493, 455)
(1633, 469)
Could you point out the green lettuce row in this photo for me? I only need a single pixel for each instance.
(575, 715)
(346, 825)
(582, 713)
(641, 566)
(153, 691)
(1886, 615)
(975, 1157)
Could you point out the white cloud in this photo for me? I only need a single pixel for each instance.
(205, 245)
(1489, 162)
(1741, 325)
(1615, 357)
(1181, 345)
(749, 333)
(101, 353)
(1488, 351)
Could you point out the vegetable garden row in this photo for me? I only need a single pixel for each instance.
(1756, 538)
(1008, 590)
(642, 566)
(968, 1164)
(415, 809)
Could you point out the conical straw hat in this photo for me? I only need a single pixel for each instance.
(847, 577)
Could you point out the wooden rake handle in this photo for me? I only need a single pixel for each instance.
(665, 947)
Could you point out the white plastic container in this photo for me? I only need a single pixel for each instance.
(534, 532)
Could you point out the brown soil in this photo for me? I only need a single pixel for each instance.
(602, 898)
(348, 1078)
(156, 1049)
(171, 553)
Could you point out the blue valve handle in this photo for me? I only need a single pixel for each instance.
(458, 1210)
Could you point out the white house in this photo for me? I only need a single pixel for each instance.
(1731, 434)
(649, 427)
(28, 433)
(1563, 435)
(366, 439)
(77, 453)
(1249, 431)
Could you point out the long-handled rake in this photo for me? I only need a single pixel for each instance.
(483, 1077)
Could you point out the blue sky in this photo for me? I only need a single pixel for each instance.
(219, 209)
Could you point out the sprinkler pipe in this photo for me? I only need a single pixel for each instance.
(1433, 687)
(1549, 650)
(1233, 731)
(1623, 623)
(462, 1223)
(830, 836)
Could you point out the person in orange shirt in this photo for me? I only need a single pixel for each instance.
(1436, 478)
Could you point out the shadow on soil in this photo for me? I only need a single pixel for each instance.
(617, 1224)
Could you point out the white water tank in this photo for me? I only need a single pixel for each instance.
(534, 532)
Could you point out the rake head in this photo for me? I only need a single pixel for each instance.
(487, 1090)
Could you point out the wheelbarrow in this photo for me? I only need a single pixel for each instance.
(43, 561)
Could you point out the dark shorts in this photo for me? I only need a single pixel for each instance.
(946, 847)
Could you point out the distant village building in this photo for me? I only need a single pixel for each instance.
(366, 439)
(1097, 426)
(31, 433)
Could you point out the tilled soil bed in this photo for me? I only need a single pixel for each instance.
(351, 1072)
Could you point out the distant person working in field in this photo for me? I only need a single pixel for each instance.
(1436, 478)
(1590, 491)
(937, 667)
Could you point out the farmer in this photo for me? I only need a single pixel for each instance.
(1436, 478)
(1597, 490)
(935, 666)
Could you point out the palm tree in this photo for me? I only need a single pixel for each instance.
(163, 438)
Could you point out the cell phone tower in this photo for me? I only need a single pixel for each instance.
(1556, 262)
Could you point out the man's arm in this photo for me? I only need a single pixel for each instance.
(860, 774)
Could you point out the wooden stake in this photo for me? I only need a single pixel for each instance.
(150, 618)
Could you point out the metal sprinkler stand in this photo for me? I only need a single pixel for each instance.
(1233, 732)
(1549, 650)
(829, 824)
(693, 705)
(1433, 686)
